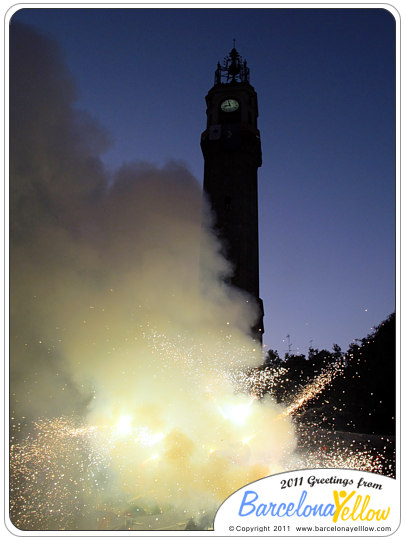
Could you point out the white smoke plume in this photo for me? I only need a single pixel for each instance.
(119, 312)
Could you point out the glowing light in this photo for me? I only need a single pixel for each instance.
(63, 464)
(224, 415)
(151, 458)
(248, 439)
(145, 437)
(237, 413)
(123, 426)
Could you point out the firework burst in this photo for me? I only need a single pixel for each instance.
(66, 474)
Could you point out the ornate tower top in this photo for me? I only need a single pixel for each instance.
(233, 70)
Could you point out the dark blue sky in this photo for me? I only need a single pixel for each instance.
(325, 80)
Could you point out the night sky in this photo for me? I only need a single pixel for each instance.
(325, 80)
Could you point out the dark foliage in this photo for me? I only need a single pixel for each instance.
(361, 398)
(370, 380)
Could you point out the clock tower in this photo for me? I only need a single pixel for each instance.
(232, 154)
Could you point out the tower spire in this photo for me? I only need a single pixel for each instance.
(233, 69)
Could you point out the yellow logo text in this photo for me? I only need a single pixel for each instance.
(348, 507)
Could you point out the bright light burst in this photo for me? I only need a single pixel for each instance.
(64, 472)
(124, 425)
(145, 437)
(236, 413)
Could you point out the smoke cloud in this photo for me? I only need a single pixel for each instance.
(119, 311)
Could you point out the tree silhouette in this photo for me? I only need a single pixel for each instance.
(370, 380)
(360, 398)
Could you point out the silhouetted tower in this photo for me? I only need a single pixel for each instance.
(232, 154)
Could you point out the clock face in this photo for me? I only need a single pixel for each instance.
(229, 105)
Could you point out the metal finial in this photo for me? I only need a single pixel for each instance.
(234, 68)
